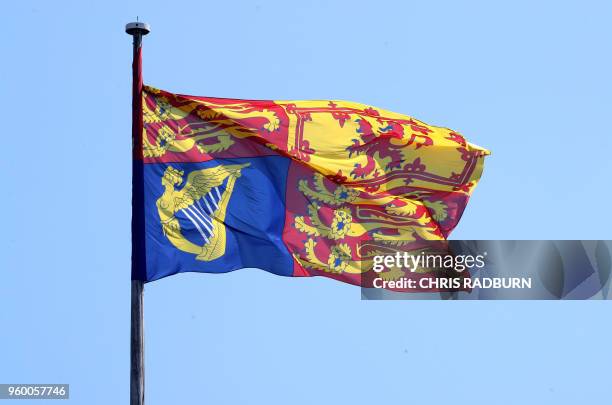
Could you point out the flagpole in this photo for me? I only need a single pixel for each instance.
(137, 30)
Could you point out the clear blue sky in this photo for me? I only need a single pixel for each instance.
(529, 80)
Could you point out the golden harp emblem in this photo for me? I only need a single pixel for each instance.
(203, 202)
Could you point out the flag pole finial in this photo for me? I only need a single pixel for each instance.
(137, 28)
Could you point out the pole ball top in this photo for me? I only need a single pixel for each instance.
(135, 28)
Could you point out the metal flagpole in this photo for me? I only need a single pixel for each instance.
(137, 30)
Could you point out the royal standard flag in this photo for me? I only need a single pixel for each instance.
(296, 188)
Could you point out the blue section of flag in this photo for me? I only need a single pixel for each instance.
(254, 219)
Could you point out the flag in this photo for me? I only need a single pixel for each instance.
(296, 188)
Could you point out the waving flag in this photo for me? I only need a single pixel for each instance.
(296, 188)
